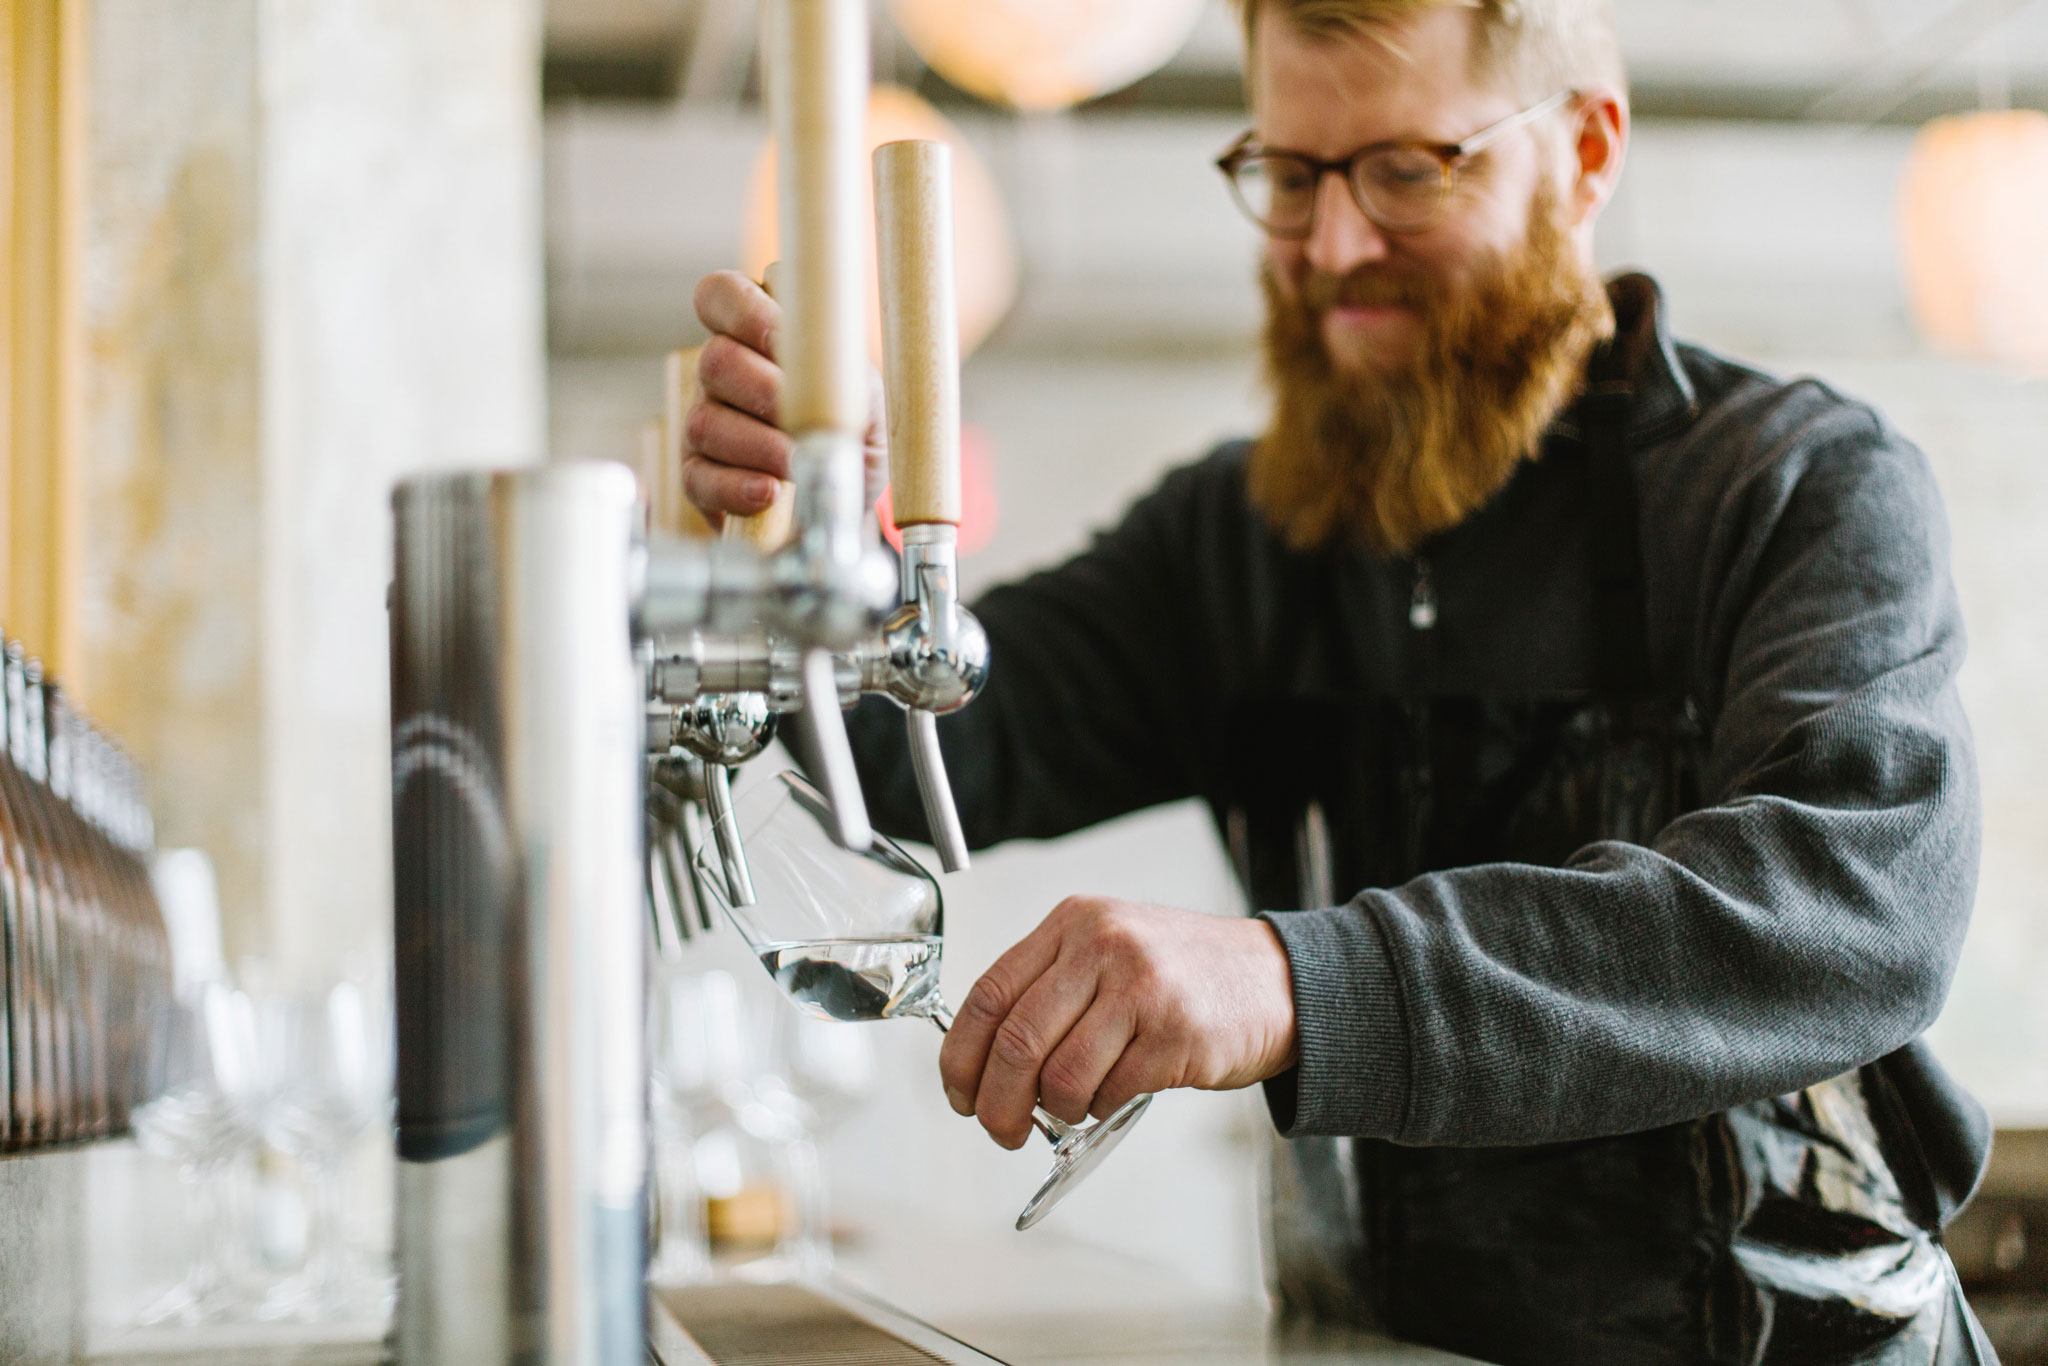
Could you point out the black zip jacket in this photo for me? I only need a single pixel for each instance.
(1804, 921)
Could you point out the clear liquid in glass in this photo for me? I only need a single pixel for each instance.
(859, 979)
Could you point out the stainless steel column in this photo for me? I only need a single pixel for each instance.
(516, 736)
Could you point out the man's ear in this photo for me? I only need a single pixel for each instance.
(1600, 135)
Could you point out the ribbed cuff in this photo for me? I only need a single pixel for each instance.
(1352, 1077)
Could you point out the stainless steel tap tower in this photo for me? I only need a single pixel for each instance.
(557, 678)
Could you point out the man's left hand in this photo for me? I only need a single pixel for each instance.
(1107, 1000)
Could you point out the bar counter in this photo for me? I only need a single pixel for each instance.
(1040, 1299)
(954, 1294)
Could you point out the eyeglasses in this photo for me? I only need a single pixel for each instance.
(1400, 186)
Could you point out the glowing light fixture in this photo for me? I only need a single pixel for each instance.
(985, 251)
(1973, 225)
(1045, 54)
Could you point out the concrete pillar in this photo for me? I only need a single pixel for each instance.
(316, 267)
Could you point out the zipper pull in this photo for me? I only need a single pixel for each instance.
(1422, 605)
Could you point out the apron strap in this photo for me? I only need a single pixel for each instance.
(1621, 642)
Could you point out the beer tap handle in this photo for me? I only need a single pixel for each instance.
(725, 833)
(920, 330)
(837, 777)
(669, 510)
(921, 364)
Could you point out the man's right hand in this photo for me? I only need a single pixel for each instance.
(733, 451)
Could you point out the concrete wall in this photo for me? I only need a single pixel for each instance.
(315, 267)
(402, 327)
(174, 543)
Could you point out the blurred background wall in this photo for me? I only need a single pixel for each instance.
(1764, 191)
(313, 265)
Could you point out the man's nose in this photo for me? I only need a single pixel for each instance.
(1343, 238)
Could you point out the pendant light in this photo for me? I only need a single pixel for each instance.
(1973, 229)
(1045, 54)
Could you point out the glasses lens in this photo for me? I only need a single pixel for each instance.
(1401, 188)
(1278, 192)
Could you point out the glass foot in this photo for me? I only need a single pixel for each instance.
(330, 1295)
(1077, 1154)
(198, 1299)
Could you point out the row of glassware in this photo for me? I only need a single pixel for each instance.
(305, 1076)
(86, 959)
(742, 1091)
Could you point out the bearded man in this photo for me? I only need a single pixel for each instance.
(1578, 708)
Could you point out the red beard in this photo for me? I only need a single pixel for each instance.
(1386, 459)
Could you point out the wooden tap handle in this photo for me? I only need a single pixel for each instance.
(668, 508)
(816, 68)
(768, 530)
(920, 329)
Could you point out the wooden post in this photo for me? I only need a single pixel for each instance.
(42, 220)
(769, 529)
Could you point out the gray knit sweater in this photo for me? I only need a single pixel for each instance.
(1804, 922)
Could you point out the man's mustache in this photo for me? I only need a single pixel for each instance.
(1365, 288)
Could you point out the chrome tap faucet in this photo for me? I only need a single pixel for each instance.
(813, 646)
(724, 730)
(937, 653)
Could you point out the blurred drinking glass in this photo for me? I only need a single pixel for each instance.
(203, 1076)
(830, 1067)
(738, 1193)
(694, 1054)
(329, 1060)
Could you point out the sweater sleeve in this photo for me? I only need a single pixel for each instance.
(1803, 923)
(1090, 695)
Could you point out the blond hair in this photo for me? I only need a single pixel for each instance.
(1537, 47)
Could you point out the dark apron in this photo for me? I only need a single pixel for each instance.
(1773, 1234)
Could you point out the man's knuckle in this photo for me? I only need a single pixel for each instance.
(699, 425)
(1017, 1045)
(1140, 966)
(1062, 1085)
(987, 1003)
(1175, 1022)
(717, 363)
(1127, 951)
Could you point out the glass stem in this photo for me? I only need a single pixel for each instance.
(323, 1259)
(1055, 1130)
(207, 1210)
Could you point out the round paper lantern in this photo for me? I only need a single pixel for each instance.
(984, 251)
(1045, 54)
(1973, 211)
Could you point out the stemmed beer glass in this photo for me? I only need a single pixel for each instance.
(202, 1117)
(857, 937)
(329, 1060)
